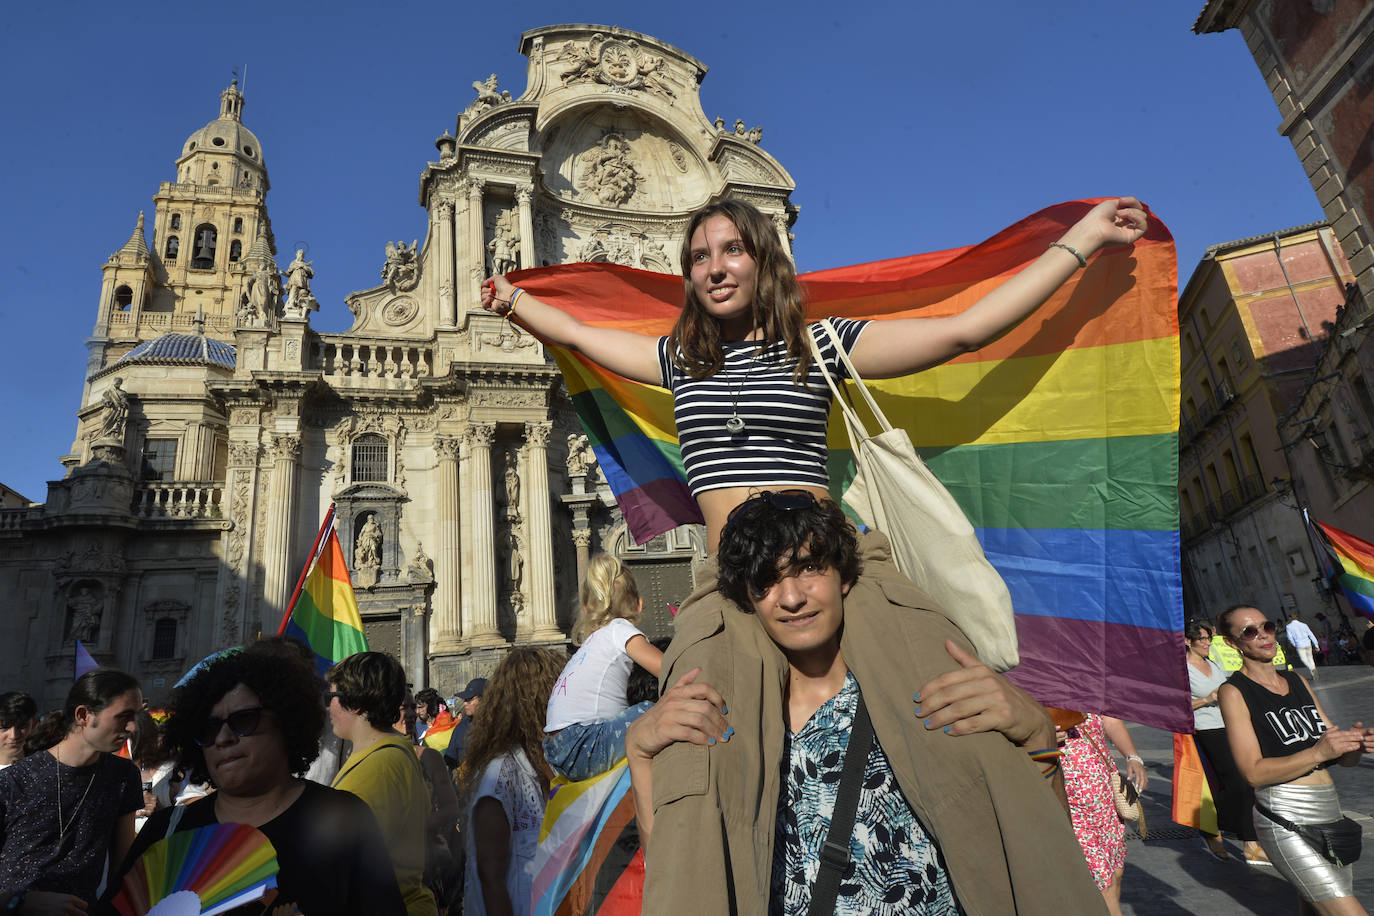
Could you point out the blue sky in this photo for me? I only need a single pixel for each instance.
(908, 127)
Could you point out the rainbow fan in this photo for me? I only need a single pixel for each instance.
(223, 865)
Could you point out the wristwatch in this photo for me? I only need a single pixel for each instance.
(16, 901)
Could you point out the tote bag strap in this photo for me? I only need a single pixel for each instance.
(858, 433)
(854, 374)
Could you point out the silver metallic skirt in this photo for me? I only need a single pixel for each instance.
(1314, 877)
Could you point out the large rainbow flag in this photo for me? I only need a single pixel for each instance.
(1348, 561)
(325, 614)
(589, 862)
(1060, 442)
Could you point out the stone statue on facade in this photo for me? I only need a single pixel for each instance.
(420, 568)
(298, 296)
(608, 172)
(264, 293)
(84, 611)
(488, 96)
(367, 553)
(578, 451)
(504, 245)
(515, 562)
(115, 411)
(402, 268)
(512, 482)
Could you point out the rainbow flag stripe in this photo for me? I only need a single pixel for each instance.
(440, 731)
(588, 826)
(1059, 440)
(1354, 567)
(326, 614)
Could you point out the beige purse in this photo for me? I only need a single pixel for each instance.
(933, 543)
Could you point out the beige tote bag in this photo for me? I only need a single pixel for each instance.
(933, 542)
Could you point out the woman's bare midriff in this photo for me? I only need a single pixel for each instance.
(716, 505)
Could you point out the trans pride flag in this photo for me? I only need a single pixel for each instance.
(588, 862)
(1060, 442)
(324, 614)
(1347, 560)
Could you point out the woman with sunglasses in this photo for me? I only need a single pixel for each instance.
(249, 721)
(1233, 795)
(1283, 742)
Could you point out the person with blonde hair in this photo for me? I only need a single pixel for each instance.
(505, 780)
(589, 710)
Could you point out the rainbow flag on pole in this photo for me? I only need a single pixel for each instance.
(1346, 560)
(324, 614)
(1060, 442)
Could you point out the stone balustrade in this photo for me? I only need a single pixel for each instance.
(177, 499)
(13, 519)
(359, 360)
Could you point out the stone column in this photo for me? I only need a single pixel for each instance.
(523, 196)
(539, 550)
(447, 594)
(477, 236)
(784, 236)
(479, 589)
(278, 554)
(447, 313)
(582, 540)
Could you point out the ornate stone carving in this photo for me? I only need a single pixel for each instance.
(505, 243)
(243, 454)
(444, 210)
(299, 299)
(582, 537)
(507, 340)
(89, 559)
(537, 434)
(580, 455)
(622, 245)
(292, 349)
(244, 416)
(447, 447)
(504, 398)
(400, 311)
(512, 477)
(750, 134)
(114, 417)
(367, 551)
(523, 195)
(476, 187)
(84, 610)
(515, 563)
(286, 447)
(619, 64)
(488, 96)
(402, 268)
(420, 569)
(263, 299)
(480, 435)
(678, 155)
(607, 172)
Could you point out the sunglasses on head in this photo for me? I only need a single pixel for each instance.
(1252, 631)
(785, 500)
(242, 722)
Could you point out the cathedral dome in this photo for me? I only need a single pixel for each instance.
(226, 134)
(183, 349)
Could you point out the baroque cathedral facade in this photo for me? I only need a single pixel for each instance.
(217, 426)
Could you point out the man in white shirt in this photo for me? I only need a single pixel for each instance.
(17, 714)
(1301, 638)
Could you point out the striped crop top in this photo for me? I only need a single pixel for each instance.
(783, 439)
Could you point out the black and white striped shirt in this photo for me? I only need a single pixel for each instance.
(783, 440)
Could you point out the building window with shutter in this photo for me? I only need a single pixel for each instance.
(370, 464)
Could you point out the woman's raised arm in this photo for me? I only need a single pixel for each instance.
(907, 345)
(626, 353)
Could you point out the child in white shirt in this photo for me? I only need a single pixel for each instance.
(588, 711)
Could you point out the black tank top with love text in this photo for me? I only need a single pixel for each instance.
(1284, 725)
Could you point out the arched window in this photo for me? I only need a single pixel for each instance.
(235, 251)
(165, 638)
(203, 254)
(124, 298)
(176, 221)
(238, 224)
(173, 245)
(370, 463)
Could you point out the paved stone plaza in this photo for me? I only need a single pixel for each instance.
(1171, 874)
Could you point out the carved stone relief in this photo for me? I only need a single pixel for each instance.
(488, 96)
(402, 268)
(504, 245)
(620, 244)
(85, 607)
(616, 63)
(607, 172)
(400, 311)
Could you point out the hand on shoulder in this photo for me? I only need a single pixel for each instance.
(973, 698)
(689, 711)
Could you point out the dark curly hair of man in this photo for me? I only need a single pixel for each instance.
(372, 684)
(283, 682)
(770, 531)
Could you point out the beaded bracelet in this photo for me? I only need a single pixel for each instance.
(510, 311)
(1082, 261)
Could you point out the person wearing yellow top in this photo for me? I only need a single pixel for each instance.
(365, 693)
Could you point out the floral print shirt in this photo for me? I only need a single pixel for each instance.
(894, 866)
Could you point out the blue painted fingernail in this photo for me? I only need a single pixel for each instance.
(729, 733)
(724, 710)
(946, 729)
(918, 709)
(916, 699)
(712, 740)
(927, 723)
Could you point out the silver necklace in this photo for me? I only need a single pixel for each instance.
(735, 425)
(61, 827)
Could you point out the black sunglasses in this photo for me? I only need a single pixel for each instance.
(242, 722)
(1252, 631)
(785, 500)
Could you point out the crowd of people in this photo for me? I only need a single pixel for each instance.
(828, 739)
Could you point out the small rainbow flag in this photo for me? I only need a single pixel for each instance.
(1193, 802)
(324, 614)
(1059, 441)
(440, 731)
(1348, 561)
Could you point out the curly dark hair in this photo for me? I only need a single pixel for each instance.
(284, 683)
(770, 530)
(370, 683)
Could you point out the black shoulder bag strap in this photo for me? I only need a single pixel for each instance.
(835, 850)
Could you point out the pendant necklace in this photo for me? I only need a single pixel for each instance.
(61, 827)
(735, 425)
